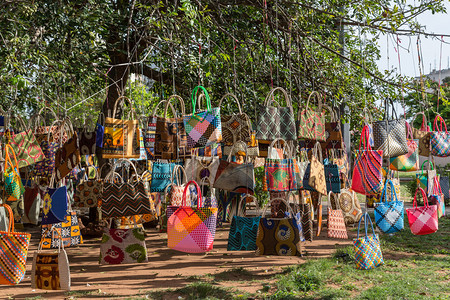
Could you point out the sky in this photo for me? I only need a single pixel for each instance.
(431, 48)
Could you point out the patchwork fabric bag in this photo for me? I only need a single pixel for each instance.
(367, 248)
(50, 270)
(390, 134)
(278, 236)
(276, 122)
(13, 185)
(170, 136)
(13, 252)
(121, 137)
(389, 215)
(192, 230)
(69, 233)
(123, 246)
(367, 173)
(439, 139)
(437, 198)
(422, 220)
(203, 128)
(423, 135)
(89, 192)
(243, 229)
(336, 224)
(235, 127)
(425, 179)
(312, 122)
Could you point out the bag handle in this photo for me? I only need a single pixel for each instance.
(182, 105)
(235, 100)
(237, 144)
(175, 174)
(8, 152)
(409, 133)
(335, 200)
(116, 164)
(430, 164)
(317, 152)
(243, 202)
(384, 192)
(364, 140)
(199, 194)
(270, 98)
(423, 127)
(10, 217)
(424, 196)
(286, 149)
(435, 127)
(437, 186)
(316, 95)
(288, 207)
(366, 219)
(124, 99)
(194, 98)
(52, 230)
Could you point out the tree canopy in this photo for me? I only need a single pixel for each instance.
(60, 53)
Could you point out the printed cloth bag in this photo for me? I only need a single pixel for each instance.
(425, 179)
(55, 132)
(276, 122)
(13, 252)
(174, 191)
(437, 198)
(13, 184)
(243, 229)
(445, 185)
(192, 230)
(367, 173)
(332, 178)
(67, 157)
(367, 248)
(170, 136)
(390, 134)
(314, 178)
(214, 149)
(121, 137)
(235, 177)
(87, 142)
(423, 135)
(333, 133)
(278, 236)
(197, 168)
(389, 215)
(123, 246)
(69, 230)
(27, 149)
(312, 122)
(422, 220)
(336, 224)
(235, 127)
(349, 204)
(161, 176)
(279, 175)
(46, 167)
(439, 139)
(150, 132)
(54, 205)
(123, 199)
(203, 128)
(89, 192)
(32, 204)
(50, 270)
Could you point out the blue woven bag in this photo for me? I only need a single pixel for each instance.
(389, 215)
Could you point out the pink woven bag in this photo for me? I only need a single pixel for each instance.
(422, 220)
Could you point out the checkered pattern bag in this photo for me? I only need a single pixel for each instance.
(205, 127)
(336, 224)
(367, 248)
(440, 140)
(422, 220)
(389, 215)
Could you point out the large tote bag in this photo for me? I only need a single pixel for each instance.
(367, 176)
(389, 215)
(235, 127)
(276, 122)
(390, 134)
(121, 137)
(68, 156)
(409, 161)
(204, 127)
(423, 135)
(367, 248)
(191, 229)
(13, 252)
(336, 224)
(312, 122)
(279, 172)
(422, 220)
(13, 184)
(440, 140)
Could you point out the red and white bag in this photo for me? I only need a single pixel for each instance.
(422, 220)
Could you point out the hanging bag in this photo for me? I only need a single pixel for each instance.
(367, 248)
(89, 192)
(276, 121)
(423, 135)
(425, 179)
(367, 175)
(203, 128)
(13, 184)
(235, 127)
(332, 177)
(439, 139)
(300, 165)
(389, 215)
(312, 122)
(349, 204)
(437, 198)
(150, 132)
(54, 204)
(87, 141)
(121, 137)
(279, 173)
(13, 252)
(69, 230)
(422, 220)
(68, 156)
(390, 134)
(46, 167)
(192, 230)
(409, 161)
(336, 224)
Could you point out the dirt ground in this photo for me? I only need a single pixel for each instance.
(166, 268)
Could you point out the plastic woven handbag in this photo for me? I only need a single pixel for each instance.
(367, 248)
(425, 179)
(203, 128)
(336, 224)
(13, 184)
(389, 215)
(410, 160)
(422, 220)
(191, 229)
(13, 252)
(50, 270)
(439, 139)
(437, 198)
(235, 127)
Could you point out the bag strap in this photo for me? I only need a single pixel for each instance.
(384, 192)
(199, 194)
(423, 127)
(183, 112)
(286, 149)
(288, 207)
(243, 202)
(435, 127)
(10, 217)
(124, 99)
(317, 152)
(335, 200)
(367, 219)
(364, 140)
(9, 151)
(194, 98)
(270, 98)
(316, 95)
(430, 164)
(424, 196)
(231, 95)
(437, 186)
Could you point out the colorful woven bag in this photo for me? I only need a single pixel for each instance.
(367, 248)
(422, 220)
(367, 173)
(150, 132)
(203, 128)
(13, 183)
(312, 123)
(409, 161)
(389, 215)
(336, 224)
(425, 179)
(190, 229)
(46, 167)
(439, 139)
(437, 198)
(13, 252)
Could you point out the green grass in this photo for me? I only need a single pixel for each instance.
(198, 290)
